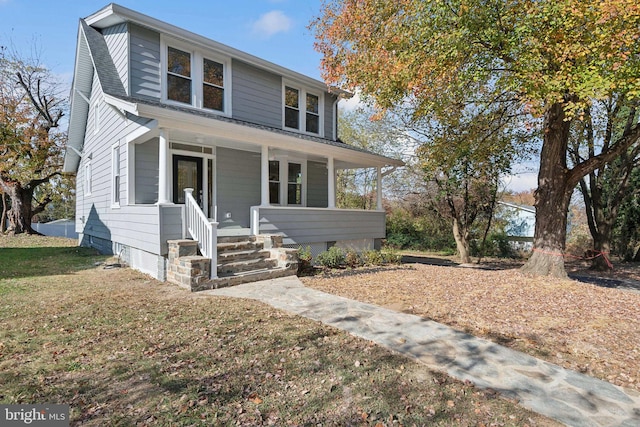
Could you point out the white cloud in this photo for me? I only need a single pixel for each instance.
(272, 23)
(521, 182)
(352, 103)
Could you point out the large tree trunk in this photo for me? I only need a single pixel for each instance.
(3, 218)
(21, 212)
(551, 199)
(461, 235)
(602, 249)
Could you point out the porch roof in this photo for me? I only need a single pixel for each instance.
(211, 124)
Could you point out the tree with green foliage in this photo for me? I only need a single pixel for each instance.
(607, 188)
(465, 153)
(626, 232)
(31, 143)
(356, 188)
(554, 57)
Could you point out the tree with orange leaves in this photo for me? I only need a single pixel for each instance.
(555, 56)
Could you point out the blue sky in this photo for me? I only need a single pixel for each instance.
(275, 30)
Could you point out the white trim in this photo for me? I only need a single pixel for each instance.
(141, 131)
(197, 56)
(331, 183)
(163, 168)
(302, 109)
(82, 95)
(205, 177)
(264, 176)
(131, 175)
(186, 121)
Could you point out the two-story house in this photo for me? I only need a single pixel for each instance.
(157, 110)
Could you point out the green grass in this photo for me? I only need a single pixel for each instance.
(123, 349)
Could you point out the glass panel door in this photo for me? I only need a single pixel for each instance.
(187, 173)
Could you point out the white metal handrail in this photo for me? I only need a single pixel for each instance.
(202, 229)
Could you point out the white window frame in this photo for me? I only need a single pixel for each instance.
(116, 175)
(197, 74)
(302, 186)
(283, 196)
(302, 108)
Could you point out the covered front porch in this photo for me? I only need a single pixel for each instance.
(248, 180)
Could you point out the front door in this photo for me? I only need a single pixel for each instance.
(187, 173)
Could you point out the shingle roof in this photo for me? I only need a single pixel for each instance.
(106, 70)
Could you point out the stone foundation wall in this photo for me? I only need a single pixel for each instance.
(185, 267)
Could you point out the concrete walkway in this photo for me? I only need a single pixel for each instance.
(564, 395)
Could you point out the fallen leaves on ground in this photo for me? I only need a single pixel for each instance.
(580, 326)
(123, 349)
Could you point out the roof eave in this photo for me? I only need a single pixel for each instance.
(114, 14)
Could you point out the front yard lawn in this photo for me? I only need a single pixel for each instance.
(123, 349)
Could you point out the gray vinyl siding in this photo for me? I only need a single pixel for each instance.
(257, 95)
(329, 109)
(145, 63)
(238, 185)
(146, 171)
(117, 39)
(98, 221)
(307, 225)
(317, 185)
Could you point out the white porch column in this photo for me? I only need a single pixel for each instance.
(163, 168)
(331, 183)
(379, 188)
(264, 176)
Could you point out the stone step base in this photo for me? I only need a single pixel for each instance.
(240, 278)
(241, 259)
(246, 265)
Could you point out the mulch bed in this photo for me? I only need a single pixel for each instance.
(591, 325)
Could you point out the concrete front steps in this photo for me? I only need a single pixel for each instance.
(241, 259)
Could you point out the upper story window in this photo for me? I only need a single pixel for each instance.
(291, 108)
(179, 86)
(302, 110)
(213, 85)
(313, 114)
(196, 78)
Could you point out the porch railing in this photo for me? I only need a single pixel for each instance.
(202, 229)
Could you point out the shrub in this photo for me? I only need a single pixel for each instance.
(334, 257)
(304, 259)
(390, 256)
(352, 259)
(372, 257)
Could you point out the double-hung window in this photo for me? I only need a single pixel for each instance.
(213, 85)
(291, 108)
(294, 184)
(302, 110)
(274, 182)
(197, 78)
(179, 75)
(312, 121)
